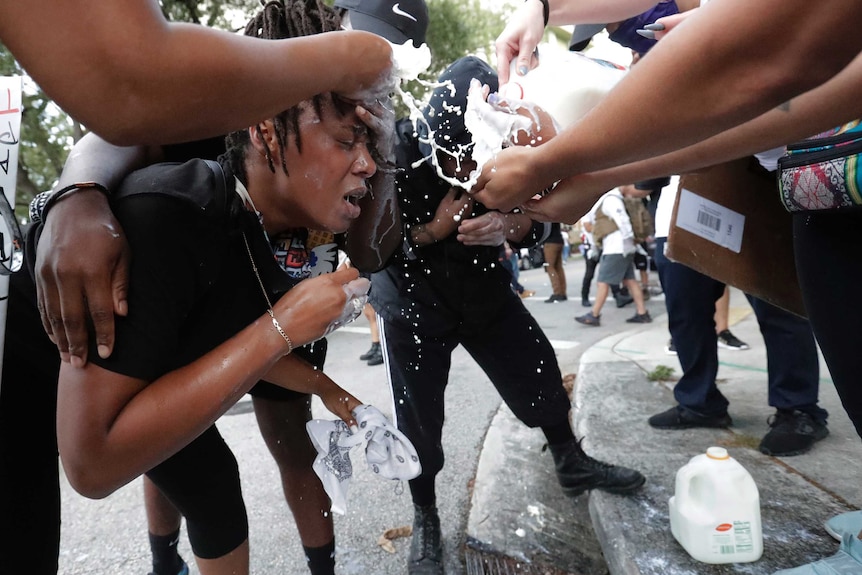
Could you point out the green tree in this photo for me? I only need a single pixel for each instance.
(46, 135)
(457, 28)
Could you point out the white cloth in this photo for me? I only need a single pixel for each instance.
(769, 158)
(388, 452)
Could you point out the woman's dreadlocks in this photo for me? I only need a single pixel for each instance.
(278, 20)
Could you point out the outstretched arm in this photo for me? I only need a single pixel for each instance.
(717, 70)
(129, 75)
(834, 103)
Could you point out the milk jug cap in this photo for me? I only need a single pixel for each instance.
(717, 453)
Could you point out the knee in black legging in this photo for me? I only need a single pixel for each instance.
(202, 481)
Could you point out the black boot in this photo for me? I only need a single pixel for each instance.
(426, 549)
(376, 357)
(374, 349)
(577, 472)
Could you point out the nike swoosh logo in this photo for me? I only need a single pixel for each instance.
(401, 12)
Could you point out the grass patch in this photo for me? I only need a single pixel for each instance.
(661, 373)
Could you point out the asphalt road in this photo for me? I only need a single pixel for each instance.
(109, 536)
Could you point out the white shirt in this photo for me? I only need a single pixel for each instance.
(664, 210)
(612, 205)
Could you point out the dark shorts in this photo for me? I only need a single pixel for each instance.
(614, 268)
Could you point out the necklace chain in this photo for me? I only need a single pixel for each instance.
(269, 310)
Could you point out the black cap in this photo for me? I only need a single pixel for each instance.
(398, 22)
(447, 104)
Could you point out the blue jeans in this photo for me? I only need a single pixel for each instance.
(791, 353)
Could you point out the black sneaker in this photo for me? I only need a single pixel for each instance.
(589, 319)
(792, 432)
(426, 548)
(680, 418)
(578, 472)
(729, 341)
(640, 318)
(623, 300)
(376, 358)
(555, 298)
(670, 349)
(374, 349)
(586, 302)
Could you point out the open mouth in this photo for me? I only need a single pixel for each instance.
(354, 197)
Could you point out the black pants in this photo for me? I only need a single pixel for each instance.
(511, 349)
(29, 472)
(589, 273)
(827, 248)
(791, 353)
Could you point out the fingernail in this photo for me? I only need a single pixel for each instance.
(354, 428)
(493, 98)
(76, 361)
(104, 351)
(655, 26)
(646, 34)
(522, 70)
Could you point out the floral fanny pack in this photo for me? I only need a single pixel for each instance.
(822, 172)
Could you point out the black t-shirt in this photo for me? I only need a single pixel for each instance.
(191, 280)
(448, 284)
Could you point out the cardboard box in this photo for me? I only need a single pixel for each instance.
(729, 224)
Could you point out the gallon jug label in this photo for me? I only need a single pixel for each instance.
(728, 539)
(742, 535)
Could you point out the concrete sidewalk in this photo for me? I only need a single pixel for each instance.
(612, 401)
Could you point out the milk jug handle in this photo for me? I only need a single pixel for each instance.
(683, 484)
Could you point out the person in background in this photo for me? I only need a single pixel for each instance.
(612, 229)
(726, 339)
(792, 365)
(509, 260)
(374, 356)
(592, 254)
(567, 244)
(553, 250)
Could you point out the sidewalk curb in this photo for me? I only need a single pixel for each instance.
(613, 399)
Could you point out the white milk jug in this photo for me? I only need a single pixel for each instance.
(715, 511)
(565, 84)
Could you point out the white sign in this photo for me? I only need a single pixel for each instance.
(710, 220)
(10, 132)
